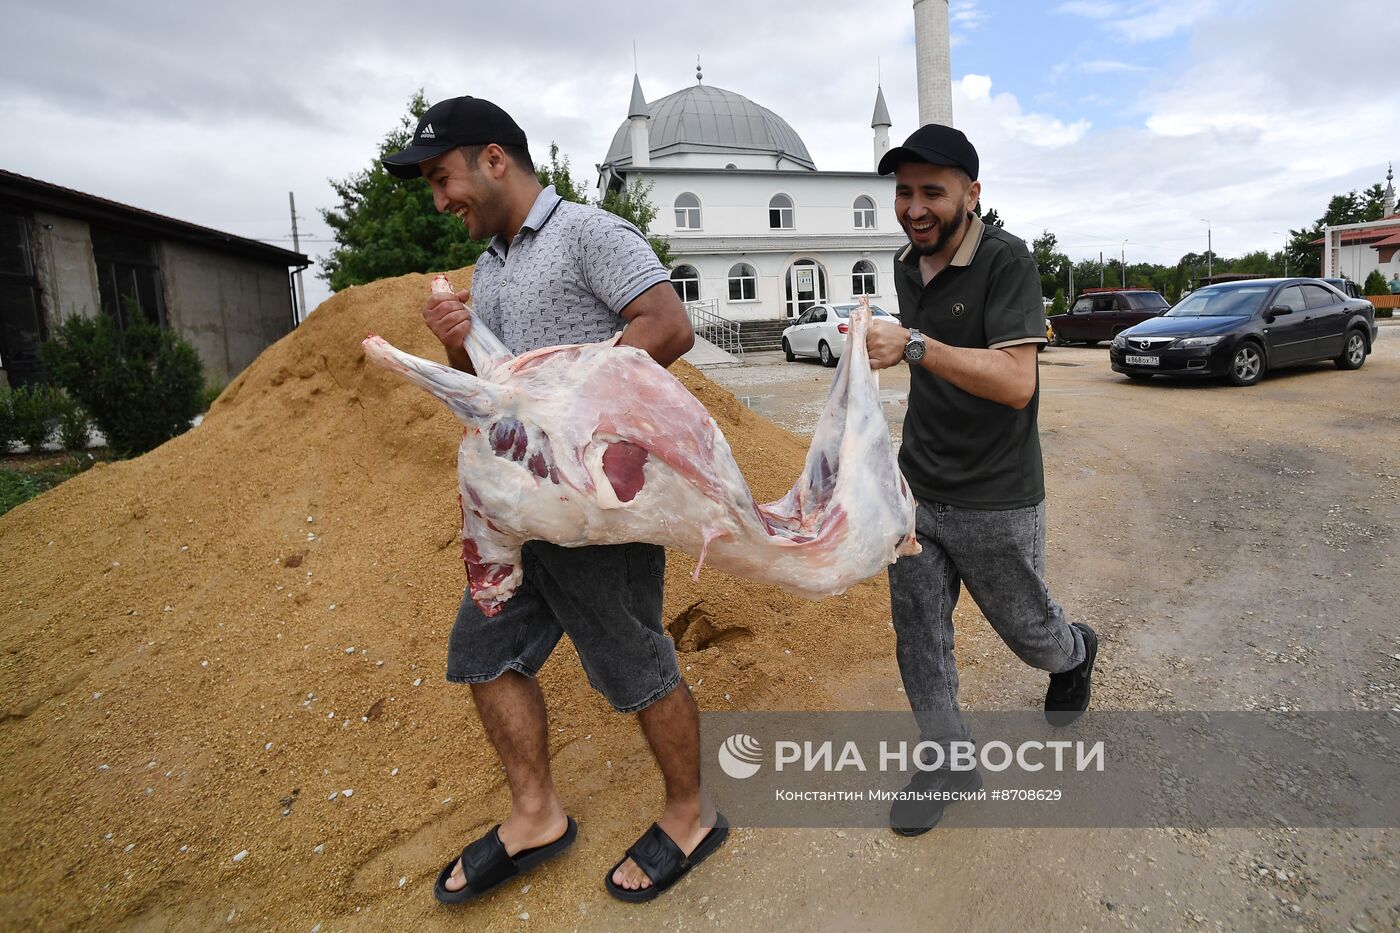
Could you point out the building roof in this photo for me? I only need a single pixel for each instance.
(31, 193)
(881, 116)
(711, 120)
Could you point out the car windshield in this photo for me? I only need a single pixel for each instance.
(1222, 302)
(1146, 301)
(844, 311)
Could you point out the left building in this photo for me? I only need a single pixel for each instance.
(63, 252)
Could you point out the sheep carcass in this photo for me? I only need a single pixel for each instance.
(597, 444)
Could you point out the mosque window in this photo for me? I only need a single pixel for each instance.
(780, 212)
(686, 281)
(863, 278)
(687, 212)
(865, 213)
(743, 283)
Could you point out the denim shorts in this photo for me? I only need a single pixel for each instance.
(607, 598)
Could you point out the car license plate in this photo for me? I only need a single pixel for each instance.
(1142, 360)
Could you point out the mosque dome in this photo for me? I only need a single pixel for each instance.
(712, 121)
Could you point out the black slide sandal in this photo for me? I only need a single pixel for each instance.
(661, 860)
(488, 866)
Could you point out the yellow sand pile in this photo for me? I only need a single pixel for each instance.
(222, 664)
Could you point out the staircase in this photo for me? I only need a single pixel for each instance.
(762, 335)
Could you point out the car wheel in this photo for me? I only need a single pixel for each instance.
(1056, 340)
(787, 351)
(1246, 365)
(1354, 353)
(824, 352)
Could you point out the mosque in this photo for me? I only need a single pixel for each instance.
(756, 230)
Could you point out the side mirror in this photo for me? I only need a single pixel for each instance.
(1280, 309)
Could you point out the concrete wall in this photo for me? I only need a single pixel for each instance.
(65, 267)
(771, 271)
(228, 307)
(737, 205)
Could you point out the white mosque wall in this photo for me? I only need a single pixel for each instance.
(737, 204)
(771, 274)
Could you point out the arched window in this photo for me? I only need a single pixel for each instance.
(780, 212)
(743, 283)
(863, 278)
(865, 213)
(686, 281)
(687, 212)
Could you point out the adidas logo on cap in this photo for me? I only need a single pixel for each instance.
(427, 132)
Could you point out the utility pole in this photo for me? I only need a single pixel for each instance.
(1209, 250)
(1285, 252)
(296, 248)
(1100, 268)
(1123, 262)
(1071, 280)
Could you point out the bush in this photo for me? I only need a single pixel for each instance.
(28, 411)
(1375, 284)
(142, 385)
(74, 425)
(7, 425)
(1058, 305)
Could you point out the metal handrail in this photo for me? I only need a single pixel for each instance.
(719, 331)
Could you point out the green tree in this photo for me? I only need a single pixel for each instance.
(557, 174)
(1305, 258)
(385, 226)
(991, 218)
(140, 383)
(1051, 263)
(1375, 284)
(633, 203)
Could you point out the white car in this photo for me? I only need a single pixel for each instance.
(821, 331)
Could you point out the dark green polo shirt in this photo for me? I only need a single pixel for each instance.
(959, 449)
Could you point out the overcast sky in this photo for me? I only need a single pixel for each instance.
(1101, 120)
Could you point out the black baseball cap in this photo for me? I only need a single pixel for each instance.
(457, 121)
(936, 144)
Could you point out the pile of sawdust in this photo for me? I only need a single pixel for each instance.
(222, 675)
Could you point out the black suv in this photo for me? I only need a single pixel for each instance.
(1100, 314)
(1238, 330)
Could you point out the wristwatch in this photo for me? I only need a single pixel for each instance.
(914, 348)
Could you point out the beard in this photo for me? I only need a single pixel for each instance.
(946, 232)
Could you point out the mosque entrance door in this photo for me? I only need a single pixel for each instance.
(806, 286)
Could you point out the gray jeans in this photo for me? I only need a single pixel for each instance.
(1000, 555)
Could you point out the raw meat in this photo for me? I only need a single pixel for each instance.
(597, 444)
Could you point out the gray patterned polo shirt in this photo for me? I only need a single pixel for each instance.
(564, 278)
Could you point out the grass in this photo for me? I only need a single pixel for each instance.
(24, 476)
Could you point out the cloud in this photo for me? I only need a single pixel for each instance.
(1141, 21)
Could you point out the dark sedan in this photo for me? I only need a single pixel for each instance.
(1239, 330)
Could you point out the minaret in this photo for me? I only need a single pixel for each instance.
(1389, 202)
(880, 123)
(934, 64)
(639, 119)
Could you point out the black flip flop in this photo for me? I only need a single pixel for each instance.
(488, 866)
(661, 860)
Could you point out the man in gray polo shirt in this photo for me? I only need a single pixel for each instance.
(970, 452)
(557, 272)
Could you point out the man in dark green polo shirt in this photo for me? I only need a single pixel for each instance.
(970, 297)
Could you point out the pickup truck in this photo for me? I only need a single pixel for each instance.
(1102, 313)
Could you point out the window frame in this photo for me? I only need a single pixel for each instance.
(857, 211)
(791, 210)
(697, 211)
(751, 278)
(870, 274)
(694, 277)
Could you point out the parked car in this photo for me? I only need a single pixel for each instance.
(821, 331)
(1346, 287)
(1240, 330)
(1101, 314)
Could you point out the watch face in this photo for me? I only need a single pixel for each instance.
(914, 351)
